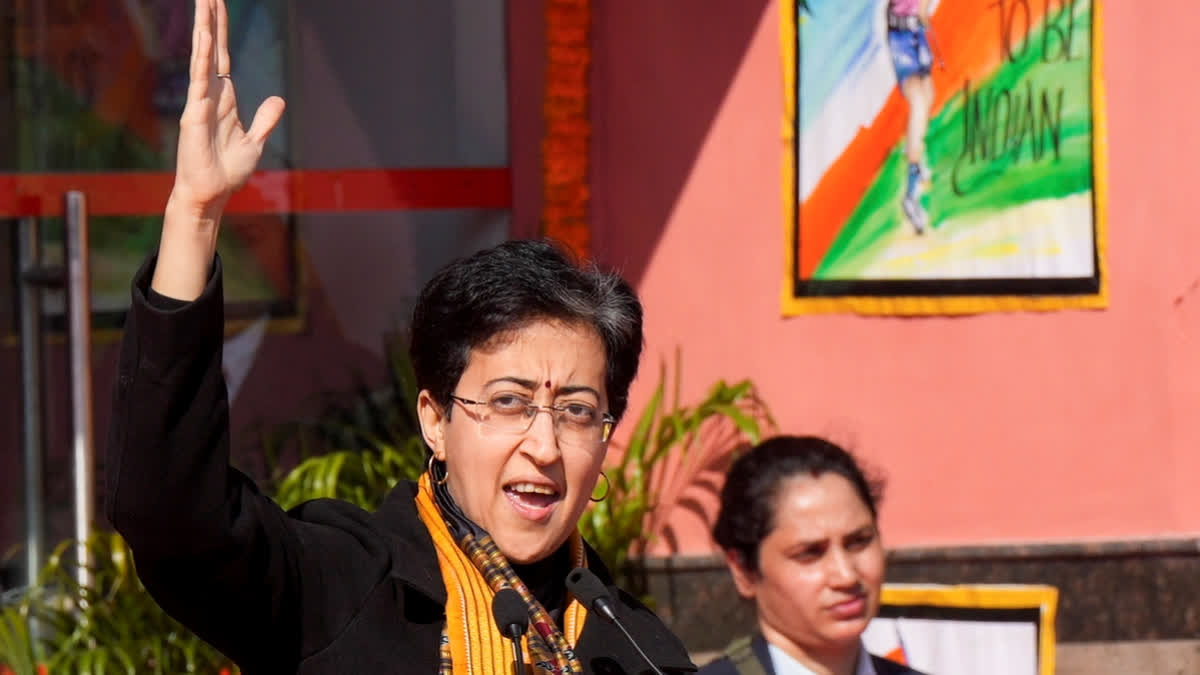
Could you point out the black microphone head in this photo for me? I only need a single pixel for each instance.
(589, 590)
(510, 612)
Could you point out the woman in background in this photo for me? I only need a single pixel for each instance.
(800, 531)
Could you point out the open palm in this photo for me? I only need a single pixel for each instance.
(216, 154)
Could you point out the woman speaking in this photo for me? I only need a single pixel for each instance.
(523, 362)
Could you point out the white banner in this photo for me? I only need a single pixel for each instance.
(982, 630)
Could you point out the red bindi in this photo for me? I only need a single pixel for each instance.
(547, 384)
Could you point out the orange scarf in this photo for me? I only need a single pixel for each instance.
(472, 571)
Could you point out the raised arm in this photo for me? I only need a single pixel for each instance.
(216, 156)
(265, 587)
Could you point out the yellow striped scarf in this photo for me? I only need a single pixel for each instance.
(473, 569)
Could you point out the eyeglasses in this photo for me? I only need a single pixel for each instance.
(577, 424)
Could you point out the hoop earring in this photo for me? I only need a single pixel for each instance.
(433, 474)
(607, 488)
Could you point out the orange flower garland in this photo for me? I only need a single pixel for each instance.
(568, 129)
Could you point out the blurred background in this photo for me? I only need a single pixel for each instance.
(1054, 447)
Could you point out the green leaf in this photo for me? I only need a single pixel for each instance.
(745, 423)
(641, 433)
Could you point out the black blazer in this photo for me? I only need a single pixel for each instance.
(325, 588)
(725, 666)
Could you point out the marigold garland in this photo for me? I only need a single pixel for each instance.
(565, 145)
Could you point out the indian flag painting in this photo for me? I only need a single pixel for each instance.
(943, 156)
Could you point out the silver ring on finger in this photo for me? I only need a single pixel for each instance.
(227, 76)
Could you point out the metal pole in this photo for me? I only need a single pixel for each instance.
(29, 258)
(79, 304)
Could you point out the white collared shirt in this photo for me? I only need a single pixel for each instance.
(786, 665)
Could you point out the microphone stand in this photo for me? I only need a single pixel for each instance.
(518, 657)
(589, 590)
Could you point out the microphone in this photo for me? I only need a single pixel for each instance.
(588, 589)
(512, 616)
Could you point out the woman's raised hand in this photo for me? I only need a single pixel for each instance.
(215, 157)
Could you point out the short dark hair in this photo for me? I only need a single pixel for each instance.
(751, 490)
(474, 300)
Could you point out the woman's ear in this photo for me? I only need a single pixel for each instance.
(432, 418)
(744, 578)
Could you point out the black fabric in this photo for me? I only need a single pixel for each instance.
(546, 580)
(725, 666)
(161, 302)
(744, 657)
(324, 588)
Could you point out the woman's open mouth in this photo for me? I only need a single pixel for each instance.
(535, 501)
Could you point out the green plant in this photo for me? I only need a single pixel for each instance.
(20, 653)
(111, 625)
(668, 448)
(362, 476)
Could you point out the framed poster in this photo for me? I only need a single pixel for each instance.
(943, 156)
(979, 629)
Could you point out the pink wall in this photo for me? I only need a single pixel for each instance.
(996, 428)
